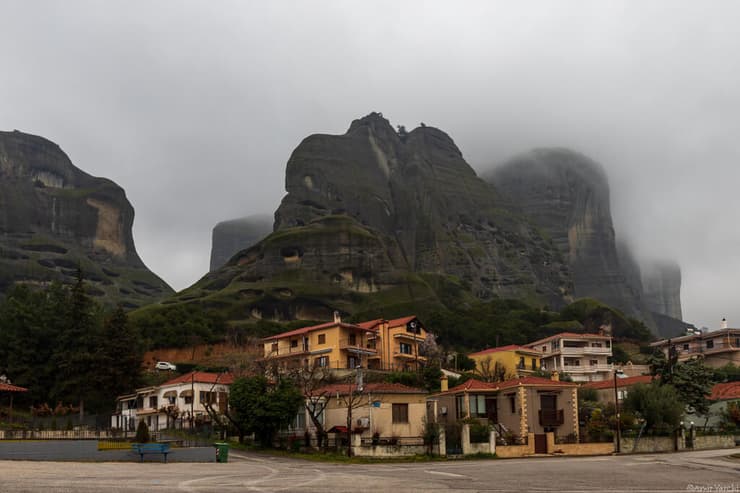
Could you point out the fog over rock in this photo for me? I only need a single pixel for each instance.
(55, 218)
(231, 236)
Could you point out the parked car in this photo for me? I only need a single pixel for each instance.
(165, 365)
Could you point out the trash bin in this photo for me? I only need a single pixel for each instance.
(222, 451)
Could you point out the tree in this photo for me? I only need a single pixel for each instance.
(352, 398)
(691, 378)
(142, 433)
(658, 405)
(312, 382)
(261, 407)
(494, 371)
(121, 353)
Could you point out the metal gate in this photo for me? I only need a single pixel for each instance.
(540, 444)
(453, 439)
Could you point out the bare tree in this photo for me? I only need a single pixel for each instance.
(313, 383)
(353, 397)
(491, 371)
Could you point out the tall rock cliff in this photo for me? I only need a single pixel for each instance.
(376, 217)
(55, 218)
(661, 283)
(567, 194)
(229, 237)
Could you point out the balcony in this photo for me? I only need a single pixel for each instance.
(578, 351)
(358, 347)
(551, 417)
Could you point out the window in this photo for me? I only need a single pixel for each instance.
(593, 362)
(521, 363)
(534, 363)
(544, 349)
(274, 347)
(172, 400)
(595, 344)
(153, 402)
(207, 397)
(188, 399)
(400, 413)
(294, 343)
(405, 348)
(512, 404)
(710, 344)
(608, 343)
(686, 347)
(353, 339)
(477, 406)
(322, 338)
(737, 342)
(299, 423)
(322, 361)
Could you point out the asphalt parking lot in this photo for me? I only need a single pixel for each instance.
(689, 471)
(87, 451)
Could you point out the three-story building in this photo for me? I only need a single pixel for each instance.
(585, 357)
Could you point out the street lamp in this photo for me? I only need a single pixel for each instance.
(616, 404)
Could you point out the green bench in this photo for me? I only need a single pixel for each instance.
(151, 448)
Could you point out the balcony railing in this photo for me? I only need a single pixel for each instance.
(358, 346)
(586, 350)
(551, 417)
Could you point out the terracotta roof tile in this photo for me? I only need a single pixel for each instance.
(725, 391)
(621, 382)
(510, 347)
(304, 330)
(535, 381)
(6, 387)
(201, 377)
(378, 388)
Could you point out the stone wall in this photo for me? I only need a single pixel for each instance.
(583, 448)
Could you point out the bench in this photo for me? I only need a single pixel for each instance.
(151, 448)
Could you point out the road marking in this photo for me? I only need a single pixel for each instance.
(450, 474)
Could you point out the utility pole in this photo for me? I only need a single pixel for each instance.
(616, 403)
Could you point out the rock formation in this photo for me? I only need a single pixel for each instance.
(376, 217)
(661, 285)
(232, 236)
(567, 195)
(55, 218)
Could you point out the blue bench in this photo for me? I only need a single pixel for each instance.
(151, 448)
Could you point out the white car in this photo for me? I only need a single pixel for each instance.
(165, 365)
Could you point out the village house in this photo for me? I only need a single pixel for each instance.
(377, 344)
(512, 359)
(716, 348)
(605, 388)
(585, 357)
(515, 408)
(178, 403)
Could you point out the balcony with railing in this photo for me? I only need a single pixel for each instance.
(358, 346)
(551, 417)
(585, 350)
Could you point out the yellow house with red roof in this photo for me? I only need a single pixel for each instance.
(514, 360)
(375, 344)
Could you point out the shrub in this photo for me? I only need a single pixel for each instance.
(142, 433)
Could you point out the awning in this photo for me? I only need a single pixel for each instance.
(338, 429)
(187, 393)
(170, 393)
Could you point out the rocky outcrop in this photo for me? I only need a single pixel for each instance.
(661, 284)
(567, 194)
(55, 218)
(229, 237)
(379, 218)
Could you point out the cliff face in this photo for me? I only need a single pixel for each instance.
(661, 282)
(54, 218)
(567, 194)
(232, 236)
(376, 217)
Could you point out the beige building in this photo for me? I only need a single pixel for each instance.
(514, 360)
(585, 357)
(388, 409)
(717, 347)
(515, 407)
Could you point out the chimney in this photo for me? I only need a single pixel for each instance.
(723, 324)
(443, 383)
(555, 376)
(337, 317)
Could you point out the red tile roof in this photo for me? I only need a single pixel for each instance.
(621, 382)
(370, 324)
(202, 377)
(725, 391)
(474, 385)
(376, 388)
(304, 330)
(510, 347)
(397, 322)
(535, 382)
(6, 387)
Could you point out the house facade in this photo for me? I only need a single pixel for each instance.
(514, 360)
(585, 357)
(515, 407)
(716, 348)
(178, 403)
(377, 344)
(605, 388)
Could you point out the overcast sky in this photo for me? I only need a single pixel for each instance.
(195, 107)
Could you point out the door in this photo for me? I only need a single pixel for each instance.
(540, 444)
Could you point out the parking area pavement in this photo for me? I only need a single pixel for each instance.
(87, 451)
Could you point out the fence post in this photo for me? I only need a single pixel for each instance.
(492, 442)
(442, 440)
(465, 439)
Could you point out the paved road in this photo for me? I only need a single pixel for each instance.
(248, 472)
(87, 450)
